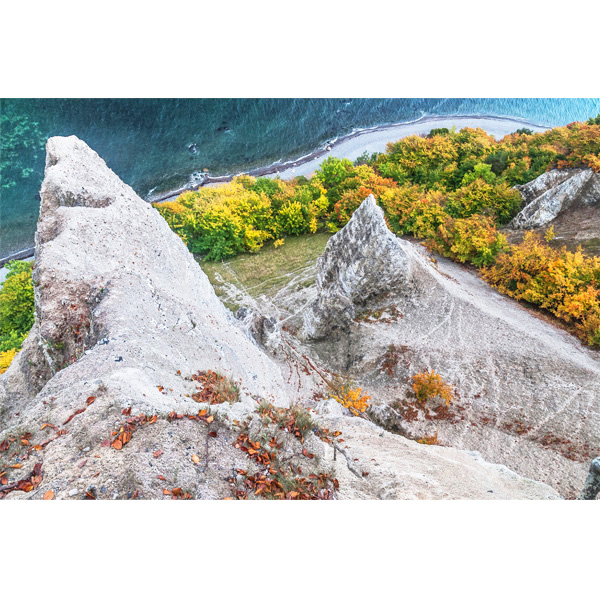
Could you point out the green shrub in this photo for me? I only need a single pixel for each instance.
(223, 221)
(16, 310)
(366, 159)
(483, 197)
(11, 341)
(16, 300)
(292, 219)
(438, 131)
(266, 185)
(594, 121)
(332, 173)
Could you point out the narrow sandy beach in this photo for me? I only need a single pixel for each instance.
(369, 140)
(376, 140)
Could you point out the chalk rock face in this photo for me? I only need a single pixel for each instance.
(529, 392)
(361, 261)
(553, 192)
(124, 317)
(108, 267)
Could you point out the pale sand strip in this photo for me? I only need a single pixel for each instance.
(376, 140)
(370, 140)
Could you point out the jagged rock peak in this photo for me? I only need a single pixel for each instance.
(107, 266)
(553, 192)
(361, 261)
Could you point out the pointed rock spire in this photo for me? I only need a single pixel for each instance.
(361, 261)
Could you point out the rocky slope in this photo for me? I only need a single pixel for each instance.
(528, 394)
(569, 201)
(99, 403)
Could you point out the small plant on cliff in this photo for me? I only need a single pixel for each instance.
(431, 440)
(429, 385)
(215, 388)
(295, 419)
(352, 398)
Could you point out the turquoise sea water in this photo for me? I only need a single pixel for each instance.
(155, 145)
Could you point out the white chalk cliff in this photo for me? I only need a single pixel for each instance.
(528, 393)
(553, 192)
(124, 315)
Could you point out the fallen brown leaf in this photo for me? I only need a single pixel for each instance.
(158, 453)
(77, 412)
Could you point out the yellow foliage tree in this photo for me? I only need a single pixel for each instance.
(429, 384)
(352, 398)
(6, 358)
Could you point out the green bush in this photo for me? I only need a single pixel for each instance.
(331, 174)
(482, 197)
(269, 187)
(438, 131)
(16, 301)
(16, 310)
(594, 121)
(292, 219)
(366, 159)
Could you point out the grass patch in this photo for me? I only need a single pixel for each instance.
(270, 269)
(215, 388)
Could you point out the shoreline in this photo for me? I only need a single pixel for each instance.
(346, 147)
(350, 146)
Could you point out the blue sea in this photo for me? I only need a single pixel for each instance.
(156, 145)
